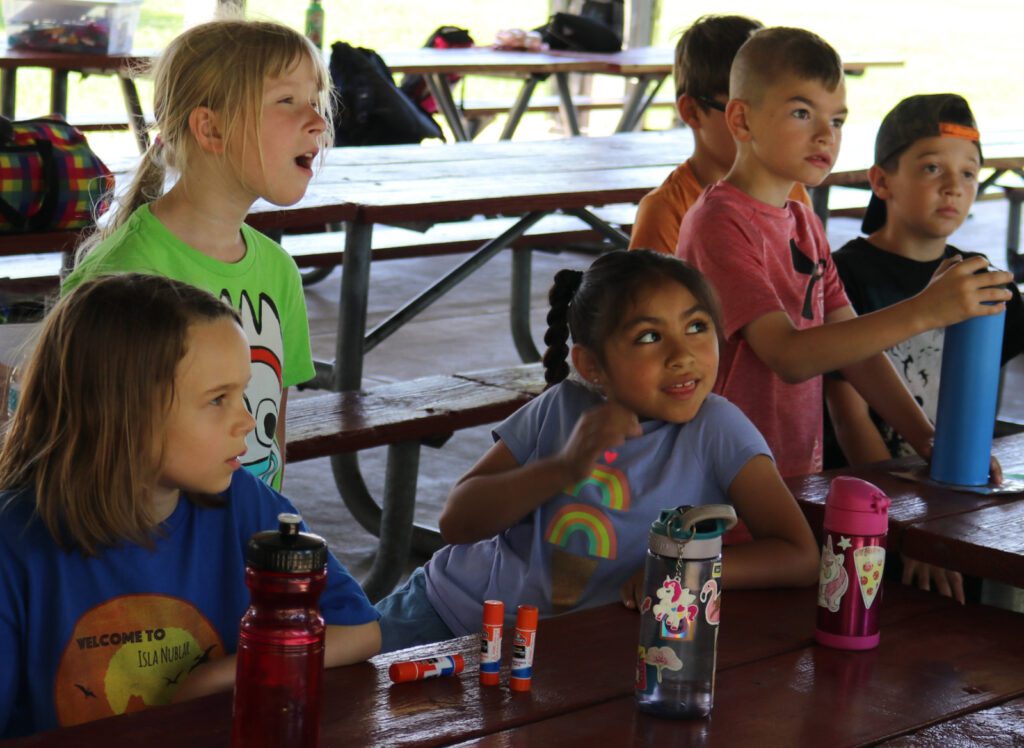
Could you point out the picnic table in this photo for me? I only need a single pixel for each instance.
(941, 670)
(60, 64)
(646, 67)
(980, 535)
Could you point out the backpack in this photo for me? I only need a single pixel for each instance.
(580, 34)
(414, 86)
(369, 109)
(51, 178)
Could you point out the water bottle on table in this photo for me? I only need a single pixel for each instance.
(852, 564)
(281, 640)
(968, 397)
(675, 673)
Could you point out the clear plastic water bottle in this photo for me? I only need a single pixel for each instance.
(675, 673)
(281, 640)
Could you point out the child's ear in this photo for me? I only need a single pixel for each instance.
(205, 126)
(879, 179)
(586, 363)
(737, 119)
(687, 108)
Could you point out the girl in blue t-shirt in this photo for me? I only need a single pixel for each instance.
(124, 514)
(556, 513)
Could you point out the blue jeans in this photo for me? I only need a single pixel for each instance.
(408, 618)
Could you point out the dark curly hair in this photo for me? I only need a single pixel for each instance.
(588, 306)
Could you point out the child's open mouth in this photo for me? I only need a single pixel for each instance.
(305, 160)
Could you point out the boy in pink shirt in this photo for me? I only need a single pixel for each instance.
(703, 57)
(786, 316)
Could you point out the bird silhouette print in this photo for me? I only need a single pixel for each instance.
(806, 266)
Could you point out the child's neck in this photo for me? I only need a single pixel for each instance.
(749, 175)
(705, 169)
(163, 502)
(906, 244)
(206, 214)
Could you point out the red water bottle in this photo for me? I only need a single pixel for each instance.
(852, 564)
(281, 640)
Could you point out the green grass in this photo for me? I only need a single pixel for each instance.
(945, 46)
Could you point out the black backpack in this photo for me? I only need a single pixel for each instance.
(580, 34)
(369, 109)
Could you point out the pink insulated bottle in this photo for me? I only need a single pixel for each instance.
(281, 640)
(852, 564)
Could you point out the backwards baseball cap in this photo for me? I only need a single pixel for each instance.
(916, 117)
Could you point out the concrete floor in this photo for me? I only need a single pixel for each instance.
(469, 329)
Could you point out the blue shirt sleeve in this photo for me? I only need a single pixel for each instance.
(343, 602)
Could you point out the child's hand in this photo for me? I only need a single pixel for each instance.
(995, 471)
(956, 291)
(632, 591)
(601, 427)
(924, 576)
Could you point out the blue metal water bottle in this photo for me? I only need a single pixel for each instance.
(968, 394)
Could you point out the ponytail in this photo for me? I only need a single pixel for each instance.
(146, 186)
(556, 365)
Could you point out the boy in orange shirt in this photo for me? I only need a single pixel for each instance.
(703, 57)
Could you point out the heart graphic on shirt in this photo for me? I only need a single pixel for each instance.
(610, 456)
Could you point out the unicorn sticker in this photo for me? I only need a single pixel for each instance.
(832, 578)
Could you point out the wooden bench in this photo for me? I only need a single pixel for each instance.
(38, 272)
(401, 416)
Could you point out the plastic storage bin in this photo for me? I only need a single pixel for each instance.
(84, 26)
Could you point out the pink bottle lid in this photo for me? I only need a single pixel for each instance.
(856, 507)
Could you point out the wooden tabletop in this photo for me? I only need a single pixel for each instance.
(937, 662)
(966, 532)
(480, 61)
(23, 58)
(632, 61)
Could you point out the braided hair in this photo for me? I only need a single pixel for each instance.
(588, 306)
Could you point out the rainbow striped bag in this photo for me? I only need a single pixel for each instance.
(49, 177)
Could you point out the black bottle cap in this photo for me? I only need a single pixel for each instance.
(286, 550)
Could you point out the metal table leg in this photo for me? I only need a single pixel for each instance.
(519, 310)
(136, 118)
(634, 108)
(444, 284)
(8, 89)
(355, 286)
(442, 93)
(566, 105)
(59, 92)
(518, 109)
(519, 306)
(394, 522)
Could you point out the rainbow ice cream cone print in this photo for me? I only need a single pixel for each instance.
(583, 534)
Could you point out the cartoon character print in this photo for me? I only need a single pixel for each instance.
(262, 328)
(833, 580)
(675, 607)
(806, 266)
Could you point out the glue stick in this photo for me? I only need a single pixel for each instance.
(490, 642)
(432, 667)
(522, 648)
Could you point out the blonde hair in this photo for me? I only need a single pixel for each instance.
(221, 65)
(86, 435)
